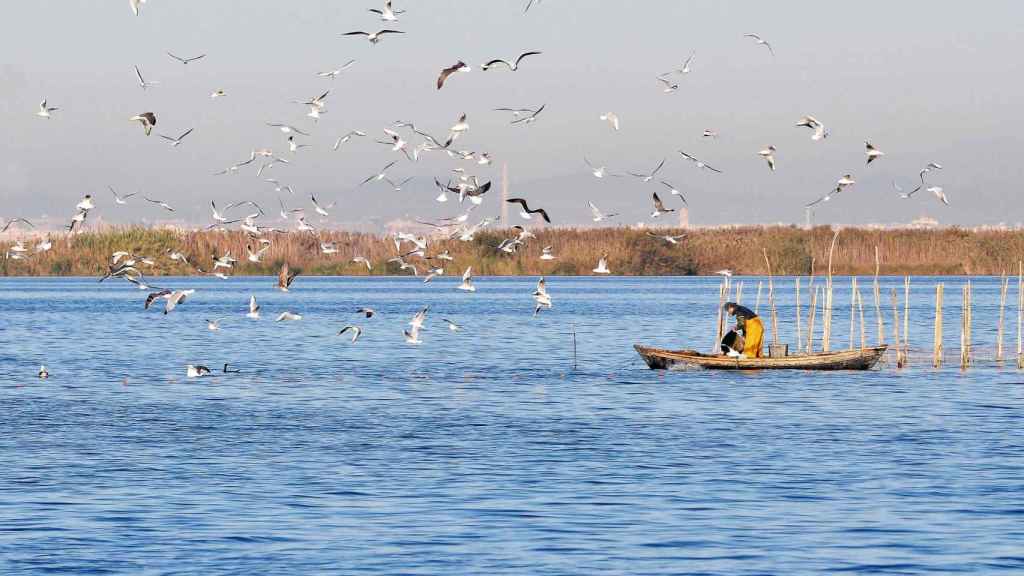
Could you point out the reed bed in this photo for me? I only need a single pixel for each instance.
(791, 251)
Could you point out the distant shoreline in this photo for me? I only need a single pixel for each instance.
(630, 252)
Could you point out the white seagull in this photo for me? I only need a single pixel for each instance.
(44, 110)
(769, 155)
(602, 266)
(761, 42)
(598, 216)
(467, 281)
(254, 309)
(513, 65)
(142, 81)
(611, 118)
(373, 37)
(872, 152)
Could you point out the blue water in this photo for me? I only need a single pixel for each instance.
(485, 451)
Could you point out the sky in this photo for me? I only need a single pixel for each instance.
(923, 81)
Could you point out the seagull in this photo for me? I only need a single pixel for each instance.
(43, 372)
(380, 175)
(938, 192)
(459, 66)
(931, 166)
(78, 219)
(467, 281)
(373, 37)
(121, 199)
(820, 133)
(13, 221)
(256, 257)
(328, 248)
(725, 273)
(769, 155)
(541, 296)
(175, 142)
(387, 14)
(397, 143)
(136, 5)
(320, 210)
(597, 215)
(451, 325)
(531, 118)
(682, 71)
(160, 203)
(899, 189)
(172, 298)
(285, 278)
(611, 118)
(213, 325)
(412, 335)
(872, 152)
(86, 204)
(602, 266)
(598, 171)
(668, 238)
(403, 265)
(708, 133)
(294, 146)
(346, 137)
(700, 164)
(669, 85)
(398, 185)
(254, 309)
(419, 318)
(196, 371)
(761, 42)
(526, 212)
(843, 183)
(659, 208)
(356, 332)
(286, 128)
(44, 110)
(186, 60)
(513, 66)
(363, 260)
(148, 120)
(368, 312)
(649, 177)
(672, 190)
(545, 253)
(217, 94)
(142, 81)
(333, 73)
(287, 316)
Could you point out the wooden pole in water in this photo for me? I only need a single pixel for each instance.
(739, 292)
(937, 340)
(906, 319)
(879, 321)
(757, 303)
(810, 321)
(715, 349)
(1004, 287)
(970, 322)
(964, 355)
(799, 334)
(896, 329)
(863, 330)
(826, 339)
(1020, 314)
(853, 308)
(771, 299)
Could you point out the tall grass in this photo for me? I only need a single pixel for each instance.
(630, 252)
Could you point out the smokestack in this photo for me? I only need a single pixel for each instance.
(684, 217)
(504, 194)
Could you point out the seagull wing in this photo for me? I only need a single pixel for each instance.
(524, 55)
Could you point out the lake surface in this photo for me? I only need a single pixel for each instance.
(485, 451)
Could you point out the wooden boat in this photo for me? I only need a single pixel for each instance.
(857, 359)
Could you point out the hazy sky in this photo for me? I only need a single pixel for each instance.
(924, 81)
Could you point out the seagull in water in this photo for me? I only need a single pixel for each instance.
(196, 371)
(43, 372)
(467, 281)
(451, 325)
(287, 316)
(254, 309)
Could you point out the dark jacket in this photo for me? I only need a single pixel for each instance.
(742, 314)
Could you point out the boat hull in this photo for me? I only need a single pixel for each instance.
(858, 359)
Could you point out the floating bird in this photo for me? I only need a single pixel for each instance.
(526, 212)
(356, 332)
(459, 66)
(598, 216)
(142, 81)
(769, 155)
(541, 297)
(213, 325)
(649, 177)
(196, 371)
(44, 110)
(668, 237)
(611, 118)
(254, 309)
(513, 65)
(659, 207)
(175, 142)
(43, 372)
(872, 152)
(700, 164)
(147, 119)
(820, 133)
(602, 266)
(285, 278)
(387, 14)
(451, 325)
(287, 316)
(186, 60)
(373, 37)
(467, 281)
(761, 42)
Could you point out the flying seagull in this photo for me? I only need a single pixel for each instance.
(598, 216)
(659, 208)
(142, 81)
(611, 118)
(649, 177)
(44, 110)
(541, 296)
(667, 238)
(820, 133)
(186, 60)
(387, 14)
(373, 37)
(285, 278)
(531, 118)
(459, 66)
(160, 203)
(136, 6)
(13, 221)
(467, 281)
(337, 71)
(872, 152)
(356, 332)
(700, 164)
(368, 312)
(760, 42)
(526, 211)
(120, 199)
(513, 65)
(148, 120)
(287, 128)
(769, 155)
(602, 266)
(175, 142)
(254, 309)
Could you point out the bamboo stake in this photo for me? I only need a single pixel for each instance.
(906, 319)
(1004, 286)
(722, 293)
(863, 331)
(879, 321)
(757, 303)
(799, 335)
(826, 339)
(853, 305)
(739, 292)
(963, 328)
(771, 299)
(810, 321)
(896, 329)
(1020, 314)
(970, 322)
(937, 340)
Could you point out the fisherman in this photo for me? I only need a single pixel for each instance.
(750, 325)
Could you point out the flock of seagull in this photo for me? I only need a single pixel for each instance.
(463, 186)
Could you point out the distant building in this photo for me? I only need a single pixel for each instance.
(684, 217)
(925, 222)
